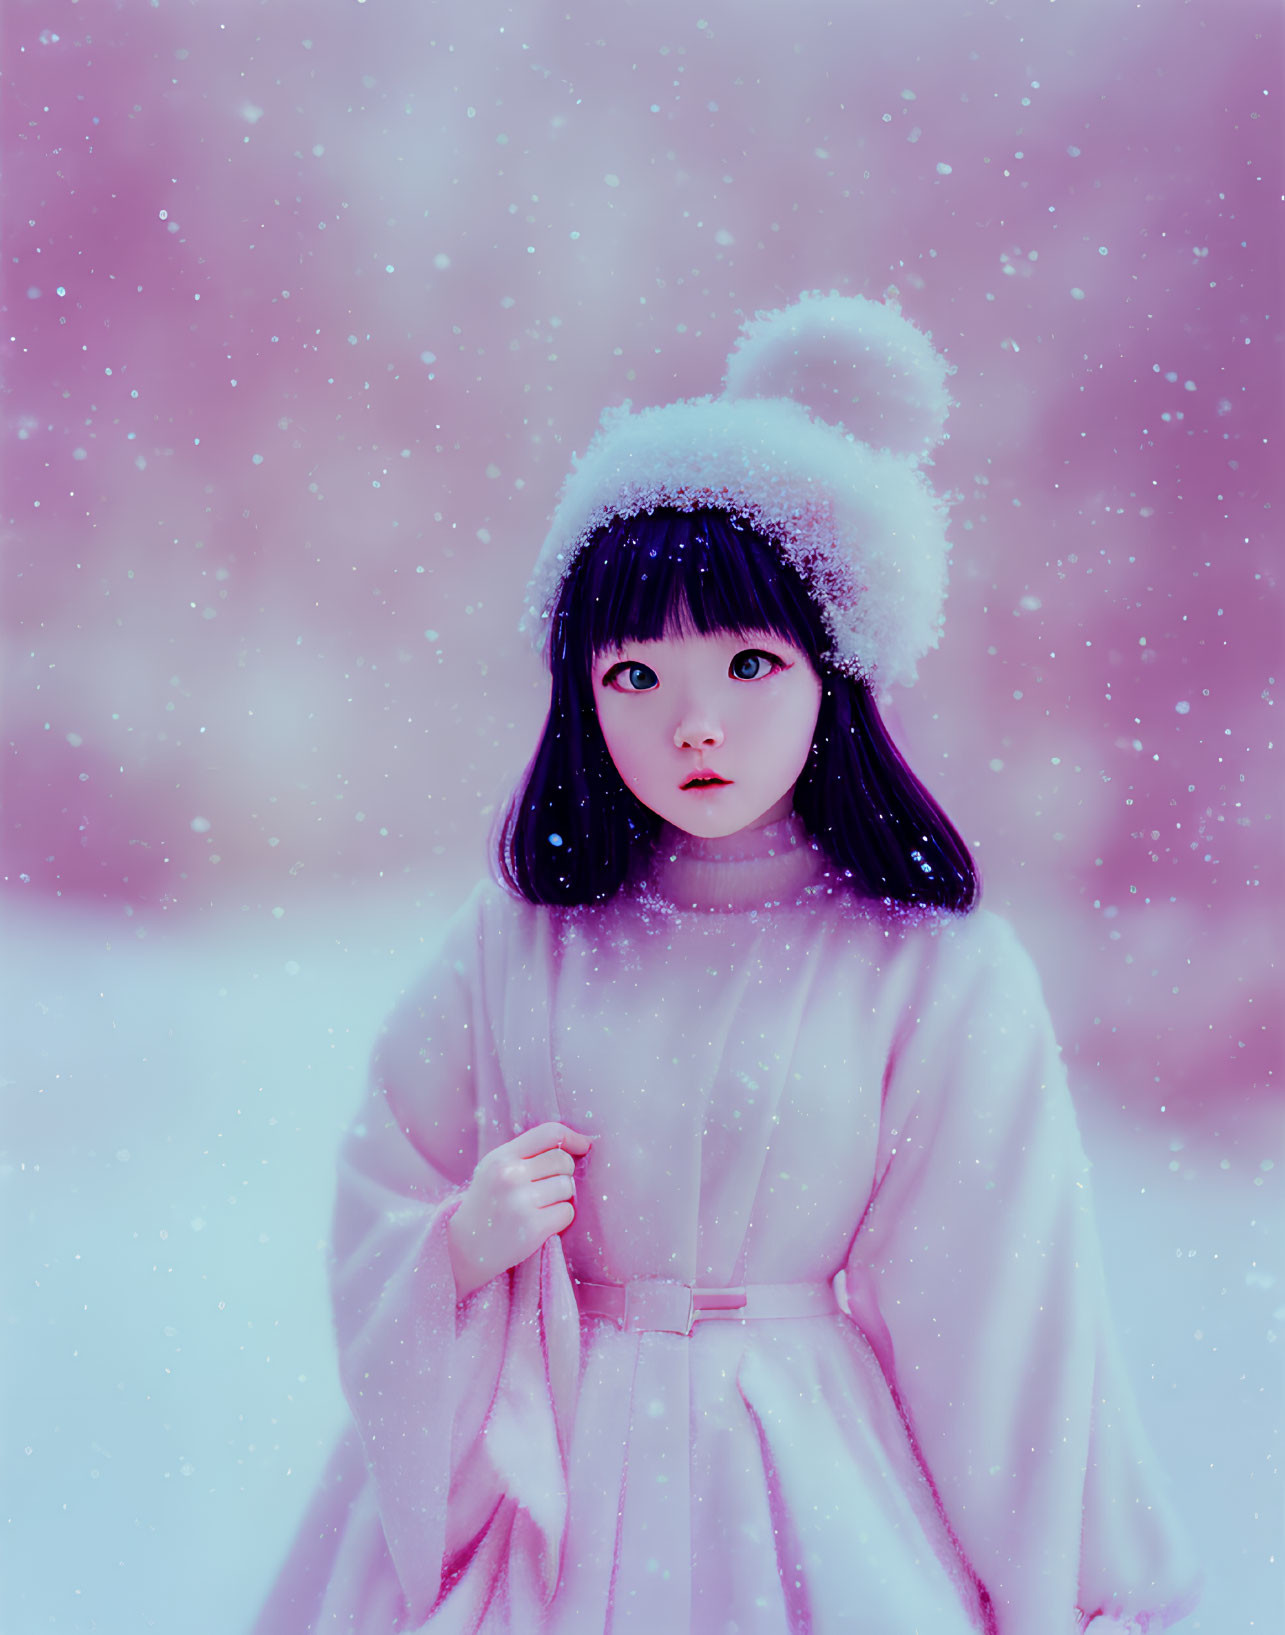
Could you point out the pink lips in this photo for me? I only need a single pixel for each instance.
(706, 780)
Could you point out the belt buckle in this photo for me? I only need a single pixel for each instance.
(673, 1308)
(651, 1304)
(719, 1299)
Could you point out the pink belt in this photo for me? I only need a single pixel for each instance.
(649, 1303)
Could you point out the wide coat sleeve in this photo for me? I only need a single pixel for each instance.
(460, 1406)
(977, 1276)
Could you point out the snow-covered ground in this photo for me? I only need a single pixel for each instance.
(172, 1103)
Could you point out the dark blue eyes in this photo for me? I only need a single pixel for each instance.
(639, 677)
(751, 664)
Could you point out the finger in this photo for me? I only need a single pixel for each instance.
(556, 1189)
(544, 1137)
(558, 1161)
(558, 1217)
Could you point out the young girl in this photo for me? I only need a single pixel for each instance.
(715, 1253)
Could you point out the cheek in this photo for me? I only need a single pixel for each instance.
(789, 731)
(626, 744)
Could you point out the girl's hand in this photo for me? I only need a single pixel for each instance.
(520, 1195)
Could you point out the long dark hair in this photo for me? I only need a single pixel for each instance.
(572, 829)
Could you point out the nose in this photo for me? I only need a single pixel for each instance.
(698, 731)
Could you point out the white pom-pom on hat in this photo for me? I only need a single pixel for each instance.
(854, 363)
(831, 407)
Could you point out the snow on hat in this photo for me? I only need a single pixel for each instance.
(829, 408)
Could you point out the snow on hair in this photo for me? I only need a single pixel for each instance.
(844, 500)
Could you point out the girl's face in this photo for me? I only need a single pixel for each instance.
(709, 732)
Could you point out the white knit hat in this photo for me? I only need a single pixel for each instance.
(829, 409)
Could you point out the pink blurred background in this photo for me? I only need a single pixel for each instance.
(311, 306)
(308, 307)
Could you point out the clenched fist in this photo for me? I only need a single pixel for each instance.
(520, 1195)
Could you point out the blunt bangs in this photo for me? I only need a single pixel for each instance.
(678, 573)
